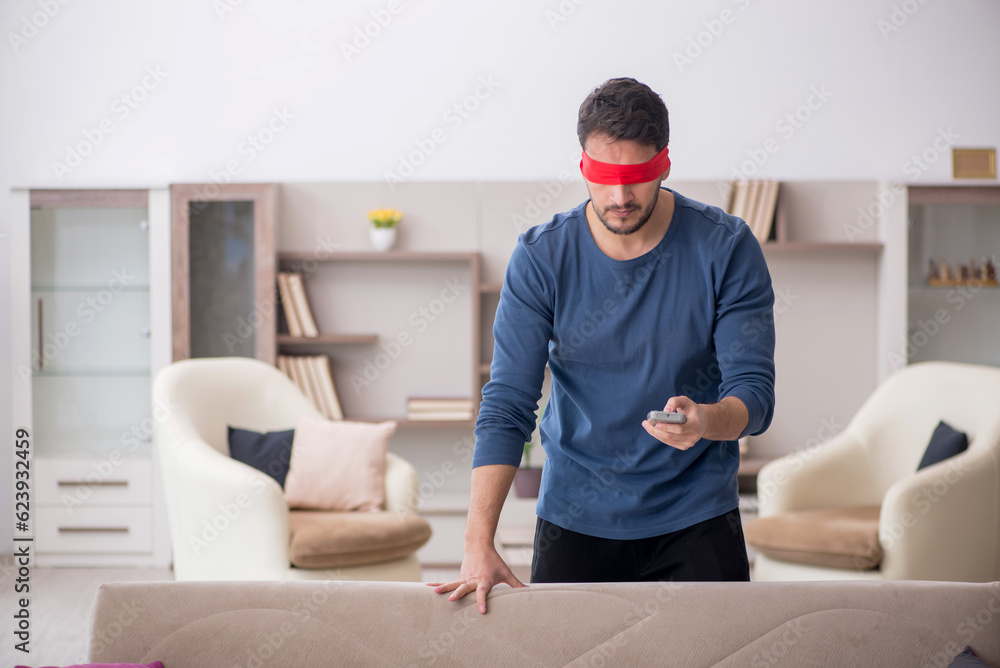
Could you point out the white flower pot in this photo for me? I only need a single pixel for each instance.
(383, 238)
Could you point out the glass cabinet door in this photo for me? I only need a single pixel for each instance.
(223, 270)
(90, 328)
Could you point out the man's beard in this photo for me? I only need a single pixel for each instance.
(632, 229)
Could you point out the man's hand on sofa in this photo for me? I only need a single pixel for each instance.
(482, 569)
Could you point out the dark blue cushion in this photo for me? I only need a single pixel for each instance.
(945, 443)
(269, 452)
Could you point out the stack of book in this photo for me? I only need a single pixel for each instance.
(298, 315)
(755, 202)
(311, 373)
(431, 408)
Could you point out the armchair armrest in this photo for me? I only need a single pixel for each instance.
(228, 520)
(941, 523)
(401, 485)
(834, 474)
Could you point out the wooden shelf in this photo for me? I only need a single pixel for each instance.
(326, 339)
(803, 246)
(403, 423)
(372, 256)
(444, 503)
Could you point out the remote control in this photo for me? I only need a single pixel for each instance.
(656, 417)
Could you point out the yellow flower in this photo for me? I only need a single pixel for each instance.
(385, 217)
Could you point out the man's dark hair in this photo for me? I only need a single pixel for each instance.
(624, 109)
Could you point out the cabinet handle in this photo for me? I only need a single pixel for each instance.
(93, 529)
(41, 337)
(144, 332)
(102, 483)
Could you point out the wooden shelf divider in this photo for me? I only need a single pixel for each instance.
(326, 339)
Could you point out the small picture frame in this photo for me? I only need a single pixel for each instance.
(974, 163)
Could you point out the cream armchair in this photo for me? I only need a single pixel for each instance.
(939, 523)
(229, 521)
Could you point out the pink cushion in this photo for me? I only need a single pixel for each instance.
(338, 465)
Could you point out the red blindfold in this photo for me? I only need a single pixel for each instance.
(610, 174)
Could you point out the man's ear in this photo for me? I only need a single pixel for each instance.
(665, 175)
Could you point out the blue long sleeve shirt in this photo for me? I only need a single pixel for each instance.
(691, 317)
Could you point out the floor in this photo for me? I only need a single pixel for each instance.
(61, 600)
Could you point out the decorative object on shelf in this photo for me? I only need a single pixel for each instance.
(974, 163)
(311, 374)
(978, 273)
(383, 232)
(528, 480)
(433, 409)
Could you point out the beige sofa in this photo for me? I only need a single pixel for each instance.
(332, 623)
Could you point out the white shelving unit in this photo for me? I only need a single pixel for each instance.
(957, 225)
(92, 272)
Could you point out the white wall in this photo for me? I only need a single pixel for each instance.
(221, 76)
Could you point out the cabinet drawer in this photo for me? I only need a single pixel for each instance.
(94, 530)
(81, 483)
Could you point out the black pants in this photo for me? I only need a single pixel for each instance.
(710, 551)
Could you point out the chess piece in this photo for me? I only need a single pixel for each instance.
(944, 273)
